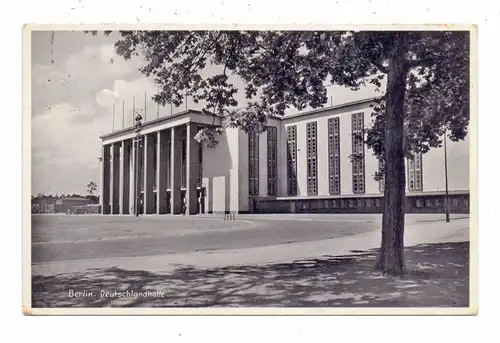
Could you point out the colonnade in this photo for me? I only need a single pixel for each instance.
(134, 170)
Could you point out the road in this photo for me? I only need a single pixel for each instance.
(71, 238)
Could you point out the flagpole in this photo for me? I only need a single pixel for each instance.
(446, 209)
(158, 106)
(133, 109)
(123, 114)
(113, 118)
(145, 117)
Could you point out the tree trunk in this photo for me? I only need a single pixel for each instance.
(391, 259)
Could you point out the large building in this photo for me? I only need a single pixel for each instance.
(300, 163)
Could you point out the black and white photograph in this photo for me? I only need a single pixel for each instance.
(250, 170)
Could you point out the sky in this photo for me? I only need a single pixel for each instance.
(76, 80)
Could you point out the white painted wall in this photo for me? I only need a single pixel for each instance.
(345, 151)
(301, 159)
(226, 167)
(217, 165)
(234, 184)
(282, 160)
(219, 191)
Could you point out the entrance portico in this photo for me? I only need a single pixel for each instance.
(157, 171)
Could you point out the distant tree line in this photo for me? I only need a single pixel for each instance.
(40, 196)
(91, 189)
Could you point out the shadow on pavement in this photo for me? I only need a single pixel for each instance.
(438, 275)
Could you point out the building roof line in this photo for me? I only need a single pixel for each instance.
(285, 117)
(149, 123)
(329, 108)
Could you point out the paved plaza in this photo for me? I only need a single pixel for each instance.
(255, 260)
(67, 237)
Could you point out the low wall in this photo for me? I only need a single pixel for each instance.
(458, 203)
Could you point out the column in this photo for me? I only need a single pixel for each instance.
(161, 175)
(115, 176)
(101, 177)
(132, 177)
(125, 177)
(175, 163)
(121, 172)
(191, 169)
(139, 184)
(106, 179)
(149, 142)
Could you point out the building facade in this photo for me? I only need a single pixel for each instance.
(301, 163)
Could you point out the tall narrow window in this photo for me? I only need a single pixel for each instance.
(381, 181)
(358, 151)
(312, 170)
(334, 155)
(292, 159)
(253, 163)
(272, 161)
(415, 172)
(199, 167)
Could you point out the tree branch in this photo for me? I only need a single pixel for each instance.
(178, 49)
(418, 63)
(199, 58)
(224, 73)
(380, 67)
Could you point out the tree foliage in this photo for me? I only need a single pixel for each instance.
(437, 95)
(91, 188)
(284, 69)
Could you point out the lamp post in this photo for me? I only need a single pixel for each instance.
(138, 127)
(446, 210)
